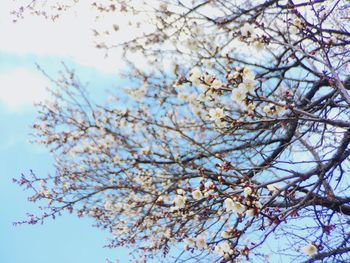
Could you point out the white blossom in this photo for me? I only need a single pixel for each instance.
(216, 84)
(297, 23)
(208, 184)
(248, 84)
(226, 234)
(201, 241)
(269, 110)
(180, 201)
(116, 159)
(247, 72)
(225, 245)
(257, 204)
(218, 250)
(239, 95)
(247, 191)
(229, 203)
(195, 76)
(139, 93)
(190, 241)
(234, 75)
(250, 212)
(222, 248)
(274, 188)
(309, 249)
(250, 108)
(247, 29)
(216, 114)
(183, 96)
(197, 194)
(208, 79)
(180, 192)
(259, 45)
(296, 26)
(232, 206)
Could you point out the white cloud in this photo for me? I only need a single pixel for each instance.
(21, 88)
(70, 36)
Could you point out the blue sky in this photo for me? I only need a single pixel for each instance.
(35, 40)
(66, 239)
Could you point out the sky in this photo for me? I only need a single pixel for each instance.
(31, 41)
(23, 45)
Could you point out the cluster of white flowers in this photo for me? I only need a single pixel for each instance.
(195, 76)
(247, 30)
(216, 84)
(249, 206)
(273, 109)
(223, 248)
(200, 242)
(46, 193)
(239, 95)
(180, 199)
(199, 100)
(138, 94)
(187, 97)
(213, 87)
(251, 34)
(269, 109)
(233, 206)
(179, 202)
(297, 25)
(197, 108)
(208, 79)
(204, 81)
(247, 85)
(255, 203)
(208, 191)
